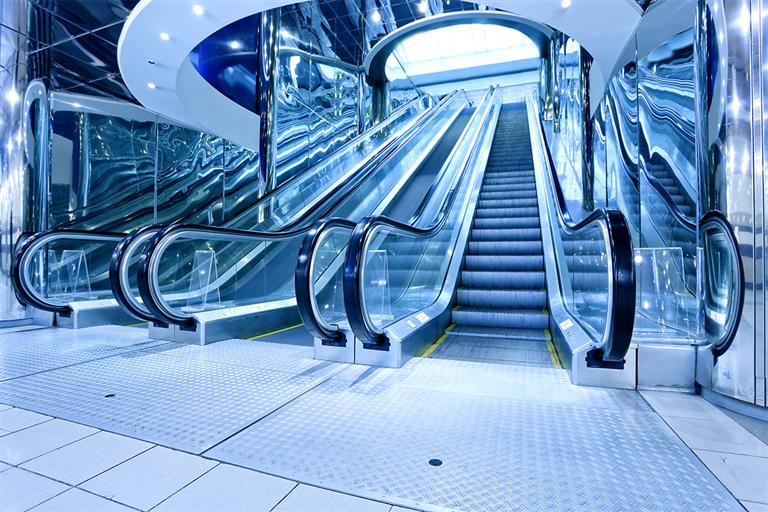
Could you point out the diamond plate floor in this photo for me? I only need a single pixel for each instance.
(184, 397)
(510, 438)
(33, 351)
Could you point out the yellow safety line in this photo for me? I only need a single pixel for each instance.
(434, 346)
(553, 354)
(136, 324)
(275, 332)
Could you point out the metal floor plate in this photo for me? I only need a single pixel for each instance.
(510, 438)
(184, 397)
(33, 351)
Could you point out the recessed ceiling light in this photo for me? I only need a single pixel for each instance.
(376, 16)
(198, 9)
(152, 85)
(235, 45)
(423, 6)
(164, 36)
(566, 3)
(12, 96)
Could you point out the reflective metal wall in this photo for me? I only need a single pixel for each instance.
(13, 27)
(731, 59)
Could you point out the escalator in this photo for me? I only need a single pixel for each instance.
(68, 272)
(501, 306)
(522, 282)
(241, 281)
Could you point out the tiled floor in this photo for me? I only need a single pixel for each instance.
(736, 457)
(50, 463)
(60, 466)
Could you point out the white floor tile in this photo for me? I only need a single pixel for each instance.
(12, 420)
(682, 405)
(305, 498)
(86, 458)
(4, 407)
(32, 442)
(21, 490)
(75, 500)
(743, 475)
(4, 466)
(401, 509)
(721, 436)
(229, 488)
(149, 478)
(755, 507)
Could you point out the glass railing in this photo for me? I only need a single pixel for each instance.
(189, 269)
(395, 269)
(319, 271)
(595, 266)
(273, 211)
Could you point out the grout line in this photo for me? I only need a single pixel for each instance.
(283, 498)
(187, 484)
(729, 453)
(690, 449)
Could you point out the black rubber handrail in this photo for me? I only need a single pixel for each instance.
(151, 298)
(353, 300)
(303, 279)
(22, 256)
(717, 218)
(620, 323)
(116, 277)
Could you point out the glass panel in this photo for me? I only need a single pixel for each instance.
(255, 270)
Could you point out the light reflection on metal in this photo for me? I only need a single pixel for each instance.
(266, 87)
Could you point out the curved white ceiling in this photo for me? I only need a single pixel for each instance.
(603, 27)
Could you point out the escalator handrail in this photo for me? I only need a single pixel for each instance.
(117, 273)
(617, 336)
(670, 203)
(24, 252)
(354, 305)
(149, 289)
(717, 217)
(304, 286)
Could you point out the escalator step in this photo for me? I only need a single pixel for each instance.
(536, 335)
(502, 299)
(506, 222)
(507, 248)
(527, 280)
(506, 235)
(504, 263)
(517, 319)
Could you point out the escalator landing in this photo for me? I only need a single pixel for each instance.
(500, 436)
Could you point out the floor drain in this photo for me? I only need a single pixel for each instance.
(111, 395)
(435, 462)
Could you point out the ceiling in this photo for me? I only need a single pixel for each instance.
(73, 43)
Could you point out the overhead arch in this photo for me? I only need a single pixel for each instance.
(376, 60)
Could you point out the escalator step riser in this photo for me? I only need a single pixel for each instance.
(507, 213)
(536, 336)
(509, 187)
(503, 280)
(505, 235)
(516, 320)
(508, 248)
(508, 195)
(498, 299)
(506, 222)
(504, 263)
(498, 203)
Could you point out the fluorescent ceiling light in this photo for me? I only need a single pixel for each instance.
(164, 36)
(152, 85)
(566, 3)
(376, 16)
(198, 9)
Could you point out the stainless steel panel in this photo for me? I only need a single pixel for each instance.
(12, 167)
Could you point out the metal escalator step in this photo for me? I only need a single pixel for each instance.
(505, 203)
(507, 195)
(505, 235)
(509, 187)
(502, 299)
(497, 333)
(509, 248)
(515, 352)
(528, 280)
(500, 263)
(507, 222)
(506, 212)
(518, 319)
